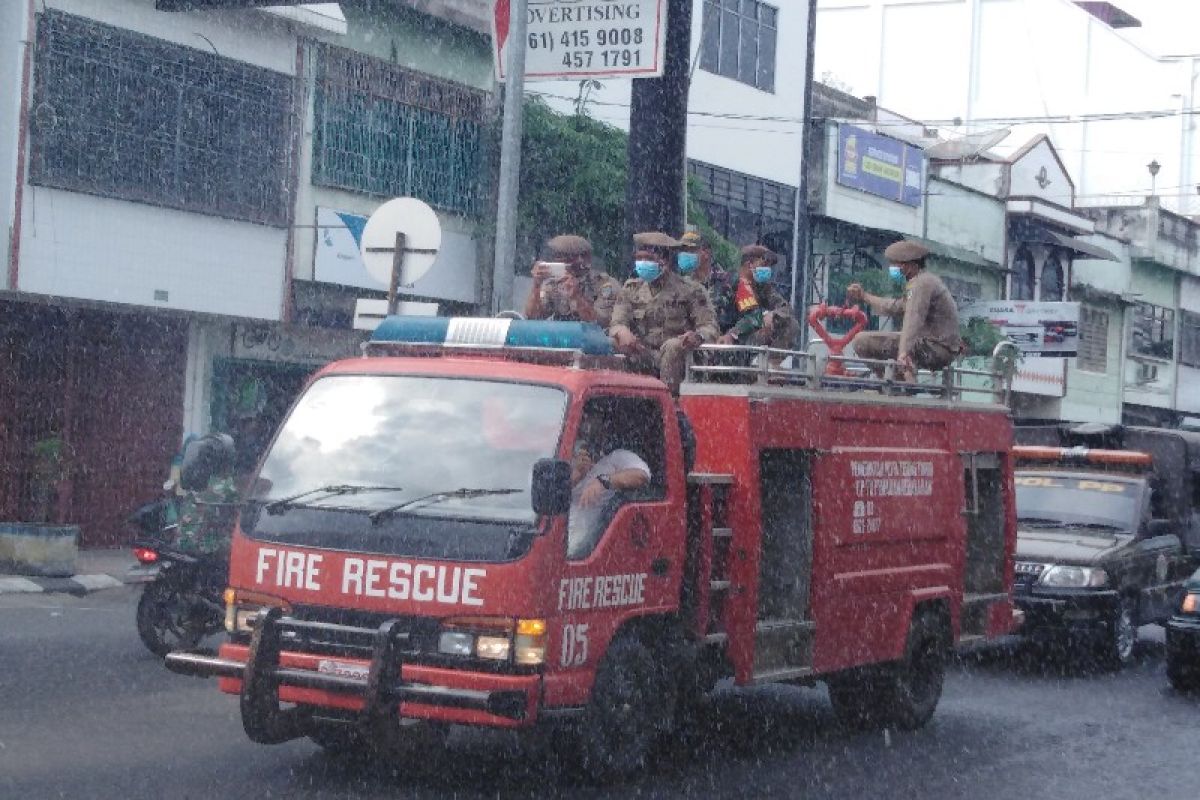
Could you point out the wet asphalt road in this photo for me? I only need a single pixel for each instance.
(86, 712)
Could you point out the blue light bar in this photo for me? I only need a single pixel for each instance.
(585, 337)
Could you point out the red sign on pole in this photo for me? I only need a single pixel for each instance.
(571, 39)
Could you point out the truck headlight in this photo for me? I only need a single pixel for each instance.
(1063, 576)
(522, 641)
(243, 608)
(1191, 603)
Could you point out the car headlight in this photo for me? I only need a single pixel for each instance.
(243, 608)
(1063, 576)
(1191, 603)
(495, 639)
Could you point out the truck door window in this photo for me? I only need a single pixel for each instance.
(616, 434)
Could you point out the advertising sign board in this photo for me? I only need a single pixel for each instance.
(1040, 330)
(880, 165)
(572, 39)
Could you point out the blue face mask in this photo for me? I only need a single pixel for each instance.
(896, 274)
(648, 271)
(763, 274)
(686, 262)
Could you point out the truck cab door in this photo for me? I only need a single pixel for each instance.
(624, 556)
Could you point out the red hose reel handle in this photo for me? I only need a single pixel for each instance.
(824, 312)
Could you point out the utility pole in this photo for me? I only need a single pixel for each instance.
(658, 134)
(509, 180)
(802, 222)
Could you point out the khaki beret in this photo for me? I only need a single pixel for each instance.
(693, 239)
(569, 245)
(654, 239)
(758, 251)
(905, 251)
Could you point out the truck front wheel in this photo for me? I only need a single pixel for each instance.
(633, 703)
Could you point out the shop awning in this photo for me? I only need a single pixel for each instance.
(1080, 247)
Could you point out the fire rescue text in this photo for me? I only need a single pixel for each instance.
(602, 591)
(370, 577)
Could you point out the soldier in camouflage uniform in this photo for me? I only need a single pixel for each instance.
(583, 294)
(765, 317)
(206, 518)
(659, 316)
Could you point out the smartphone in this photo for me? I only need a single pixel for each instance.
(557, 268)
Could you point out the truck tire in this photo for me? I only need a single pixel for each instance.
(337, 739)
(1117, 645)
(632, 704)
(1183, 679)
(855, 699)
(911, 693)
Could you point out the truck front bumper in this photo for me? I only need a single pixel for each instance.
(1055, 613)
(264, 675)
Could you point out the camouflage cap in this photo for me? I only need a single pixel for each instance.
(758, 251)
(569, 244)
(654, 239)
(905, 251)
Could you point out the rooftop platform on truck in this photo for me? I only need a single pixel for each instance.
(735, 370)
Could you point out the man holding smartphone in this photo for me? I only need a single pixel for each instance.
(567, 288)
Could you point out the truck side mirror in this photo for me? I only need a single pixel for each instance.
(550, 491)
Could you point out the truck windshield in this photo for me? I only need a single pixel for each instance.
(1100, 503)
(448, 460)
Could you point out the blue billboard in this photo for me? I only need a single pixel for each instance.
(880, 165)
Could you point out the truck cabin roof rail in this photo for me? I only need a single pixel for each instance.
(549, 356)
(804, 369)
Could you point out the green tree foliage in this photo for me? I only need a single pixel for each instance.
(573, 175)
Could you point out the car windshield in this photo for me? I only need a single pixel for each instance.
(1099, 504)
(458, 452)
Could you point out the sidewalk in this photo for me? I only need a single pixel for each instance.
(104, 568)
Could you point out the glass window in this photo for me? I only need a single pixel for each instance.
(1052, 279)
(415, 440)
(1153, 331)
(738, 41)
(616, 434)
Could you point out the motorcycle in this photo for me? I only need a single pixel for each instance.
(183, 603)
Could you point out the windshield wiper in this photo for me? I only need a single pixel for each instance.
(1045, 522)
(332, 490)
(1095, 526)
(436, 497)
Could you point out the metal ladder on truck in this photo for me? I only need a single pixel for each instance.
(709, 557)
(782, 647)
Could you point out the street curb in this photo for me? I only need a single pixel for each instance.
(76, 584)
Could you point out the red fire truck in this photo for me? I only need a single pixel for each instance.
(413, 549)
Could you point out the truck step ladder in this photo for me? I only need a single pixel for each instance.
(710, 545)
(783, 649)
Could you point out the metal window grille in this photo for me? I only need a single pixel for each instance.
(738, 40)
(124, 115)
(1189, 338)
(964, 292)
(1093, 340)
(745, 193)
(387, 131)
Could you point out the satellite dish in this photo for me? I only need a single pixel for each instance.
(422, 236)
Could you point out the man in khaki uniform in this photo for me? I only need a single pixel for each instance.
(583, 294)
(928, 337)
(660, 317)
